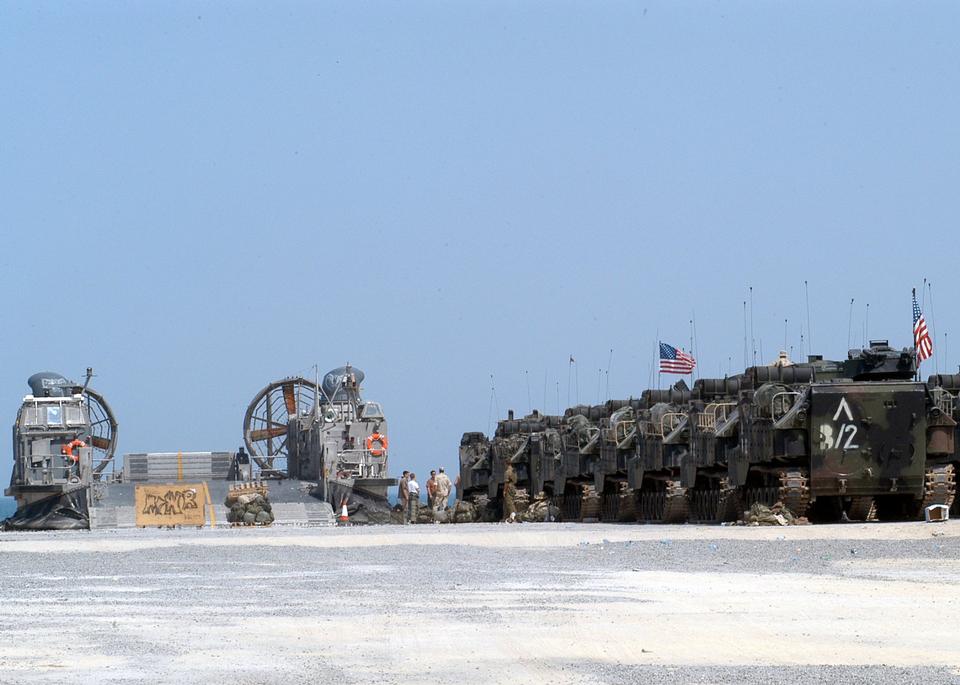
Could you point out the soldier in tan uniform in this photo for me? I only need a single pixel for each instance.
(442, 492)
(509, 492)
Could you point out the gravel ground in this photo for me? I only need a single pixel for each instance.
(555, 603)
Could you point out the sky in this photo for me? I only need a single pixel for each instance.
(197, 198)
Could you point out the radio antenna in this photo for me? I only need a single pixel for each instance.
(933, 328)
(850, 323)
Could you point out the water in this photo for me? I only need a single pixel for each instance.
(8, 505)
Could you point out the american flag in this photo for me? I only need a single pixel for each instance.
(921, 336)
(673, 360)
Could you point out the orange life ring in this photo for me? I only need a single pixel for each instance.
(67, 450)
(379, 439)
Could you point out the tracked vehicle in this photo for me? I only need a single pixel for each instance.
(943, 442)
(714, 424)
(529, 444)
(858, 438)
(662, 444)
(828, 438)
(618, 436)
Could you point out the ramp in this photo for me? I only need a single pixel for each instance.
(112, 505)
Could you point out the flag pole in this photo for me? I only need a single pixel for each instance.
(913, 337)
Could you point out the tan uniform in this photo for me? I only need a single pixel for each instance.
(442, 493)
(509, 492)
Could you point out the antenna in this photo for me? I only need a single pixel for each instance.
(653, 360)
(526, 375)
(558, 398)
(609, 364)
(933, 329)
(569, 369)
(850, 323)
(946, 359)
(493, 404)
(745, 364)
(806, 293)
(599, 384)
(866, 327)
(545, 411)
(576, 378)
(693, 344)
(784, 335)
(656, 359)
(753, 340)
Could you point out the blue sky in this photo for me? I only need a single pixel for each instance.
(198, 198)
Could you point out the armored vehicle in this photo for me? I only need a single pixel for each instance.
(662, 442)
(64, 440)
(859, 438)
(849, 436)
(617, 444)
(943, 445)
(529, 444)
(476, 463)
(574, 493)
(328, 437)
(714, 423)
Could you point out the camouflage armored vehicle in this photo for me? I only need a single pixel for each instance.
(64, 439)
(662, 442)
(832, 437)
(574, 491)
(529, 445)
(857, 438)
(714, 424)
(943, 445)
(617, 444)
(476, 463)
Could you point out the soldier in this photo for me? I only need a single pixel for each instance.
(432, 489)
(509, 492)
(403, 494)
(442, 495)
(413, 501)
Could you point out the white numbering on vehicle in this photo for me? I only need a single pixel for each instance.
(844, 437)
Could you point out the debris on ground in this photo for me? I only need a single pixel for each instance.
(249, 506)
(777, 515)
(540, 510)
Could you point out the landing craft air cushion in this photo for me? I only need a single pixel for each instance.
(315, 447)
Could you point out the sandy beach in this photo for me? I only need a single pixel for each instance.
(561, 603)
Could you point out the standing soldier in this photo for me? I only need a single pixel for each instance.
(413, 493)
(432, 489)
(443, 491)
(509, 492)
(403, 494)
